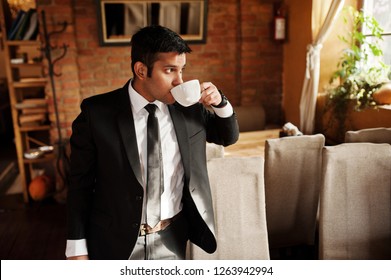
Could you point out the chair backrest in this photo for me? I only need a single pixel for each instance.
(214, 151)
(292, 183)
(355, 202)
(239, 205)
(372, 135)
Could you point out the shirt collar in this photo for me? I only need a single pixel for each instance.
(139, 102)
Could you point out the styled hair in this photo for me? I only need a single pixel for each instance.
(149, 41)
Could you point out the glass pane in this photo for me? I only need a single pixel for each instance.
(387, 49)
(385, 45)
(381, 10)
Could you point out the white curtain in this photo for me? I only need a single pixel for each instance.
(320, 30)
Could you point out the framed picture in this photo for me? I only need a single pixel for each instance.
(119, 20)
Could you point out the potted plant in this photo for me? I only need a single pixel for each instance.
(356, 79)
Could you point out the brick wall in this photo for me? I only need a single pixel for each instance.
(239, 57)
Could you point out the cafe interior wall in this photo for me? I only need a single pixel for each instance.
(240, 56)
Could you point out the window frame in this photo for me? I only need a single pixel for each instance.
(368, 7)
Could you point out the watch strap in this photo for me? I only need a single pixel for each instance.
(224, 101)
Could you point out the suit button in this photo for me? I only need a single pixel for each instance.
(139, 197)
(135, 225)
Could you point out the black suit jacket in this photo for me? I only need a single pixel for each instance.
(105, 194)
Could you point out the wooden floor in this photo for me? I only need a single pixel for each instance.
(31, 232)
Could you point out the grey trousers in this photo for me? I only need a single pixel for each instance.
(169, 244)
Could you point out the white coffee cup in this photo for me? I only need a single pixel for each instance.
(187, 93)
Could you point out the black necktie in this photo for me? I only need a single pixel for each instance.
(154, 167)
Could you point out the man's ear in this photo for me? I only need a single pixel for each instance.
(140, 69)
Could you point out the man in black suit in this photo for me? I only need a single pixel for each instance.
(106, 196)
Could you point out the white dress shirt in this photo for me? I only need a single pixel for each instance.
(173, 172)
(172, 161)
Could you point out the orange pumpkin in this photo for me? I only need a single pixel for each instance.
(40, 187)
(383, 94)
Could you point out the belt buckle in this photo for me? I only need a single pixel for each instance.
(144, 228)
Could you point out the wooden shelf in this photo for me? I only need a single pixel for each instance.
(45, 158)
(26, 86)
(34, 128)
(39, 83)
(21, 43)
(23, 65)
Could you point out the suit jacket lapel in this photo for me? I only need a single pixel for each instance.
(183, 138)
(128, 132)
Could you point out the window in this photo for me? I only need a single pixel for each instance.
(381, 11)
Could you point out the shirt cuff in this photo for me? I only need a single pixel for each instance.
(224, 112)
(76, 248)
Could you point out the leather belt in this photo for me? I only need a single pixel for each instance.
(161, 225)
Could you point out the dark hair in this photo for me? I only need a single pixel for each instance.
(151, 40)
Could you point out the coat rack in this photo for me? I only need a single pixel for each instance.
(62, 162)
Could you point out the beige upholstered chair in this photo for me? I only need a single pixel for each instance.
(372, 135)
(239, 204)
(214, 151)
(292, 182)
(355, 202)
